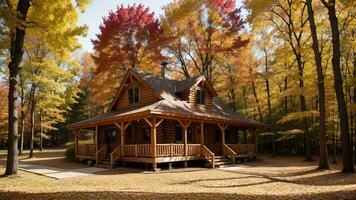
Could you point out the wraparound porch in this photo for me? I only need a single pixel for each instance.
(159, 140)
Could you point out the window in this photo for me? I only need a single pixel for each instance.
(179, 134)
(217, 135)
(134, 95)
(190, 134)
(146, 135)
(200, 97)
(227, 136)
(111, 135)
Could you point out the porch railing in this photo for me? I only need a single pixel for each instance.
(115, 156)
(101, 154)
(163, 150)
(208, 155)
(194, 149)
(87, 149)
(243, 148)
(231, 154)
(137, 150)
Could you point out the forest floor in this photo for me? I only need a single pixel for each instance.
(272, 178)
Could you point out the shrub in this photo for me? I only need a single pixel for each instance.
(70, 151)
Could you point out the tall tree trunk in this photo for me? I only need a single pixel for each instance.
(269, 106)
(303, 107)
(32, 120)
(323, 159)
(22, 134)
(16, 53)
(41, 131)
(23, 115)
(353, 121)
(348, 165)
(285, 98)
(257, 101)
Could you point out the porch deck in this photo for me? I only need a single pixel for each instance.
(164, 153)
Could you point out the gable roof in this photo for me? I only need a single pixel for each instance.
(170, 103)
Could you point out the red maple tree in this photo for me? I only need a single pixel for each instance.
(128, 38)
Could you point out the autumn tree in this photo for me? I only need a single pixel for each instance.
(16, 18)
(128, 38)
(348, 165)
(323, 160)
(202, 34)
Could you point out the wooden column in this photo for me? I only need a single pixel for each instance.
(96, 144)
(202, 133)
(122, 139)
(96, 139)
(154, 138)
(153, 124)
(76, 142)
(185, 141)
(223, 127)
(185, 125)
(245, 136)
(122, 126)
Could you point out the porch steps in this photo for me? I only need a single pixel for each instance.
(222, 161)
(105, 163)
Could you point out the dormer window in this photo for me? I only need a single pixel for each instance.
(200, 97)
(134, 95)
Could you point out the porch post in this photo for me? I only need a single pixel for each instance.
(96, 139)
(245, 136)
(76, 141)
(202, 133)
(122, 133)
(153, 138)
(223, 127)
(185, 125)
(185, 141)
(96, 144)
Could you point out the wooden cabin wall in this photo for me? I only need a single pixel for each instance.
(146, 95)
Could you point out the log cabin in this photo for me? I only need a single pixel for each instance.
(155, 120)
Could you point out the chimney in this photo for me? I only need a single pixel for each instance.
(165, 71)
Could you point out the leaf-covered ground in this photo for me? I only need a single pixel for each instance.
(273, 178)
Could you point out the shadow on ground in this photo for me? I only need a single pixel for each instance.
(145, 195)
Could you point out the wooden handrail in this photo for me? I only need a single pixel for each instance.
(101, 153)
(210, 156)
(115, 155)
(229, 153)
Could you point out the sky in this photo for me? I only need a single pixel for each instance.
(100, 8)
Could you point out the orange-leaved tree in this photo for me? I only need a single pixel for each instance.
(128, 38)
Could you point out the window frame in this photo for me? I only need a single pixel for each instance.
(200, 96)
(134, 93)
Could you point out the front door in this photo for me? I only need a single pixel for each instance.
(111, 138)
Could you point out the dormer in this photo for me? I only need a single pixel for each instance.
(133, 91)
(198, 92)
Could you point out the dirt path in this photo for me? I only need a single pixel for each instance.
(274, 178)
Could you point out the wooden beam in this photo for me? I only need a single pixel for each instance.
(122, 134)
(202, 133)
(76, 141)
(184, 123)
(223, 127)
(185, 141)
(154, 138)
(127, 125)
(148, 122)
(96, 142)
(159, 122)
(118, 125)
(181, 123)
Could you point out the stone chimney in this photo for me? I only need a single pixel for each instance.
(165, 71)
